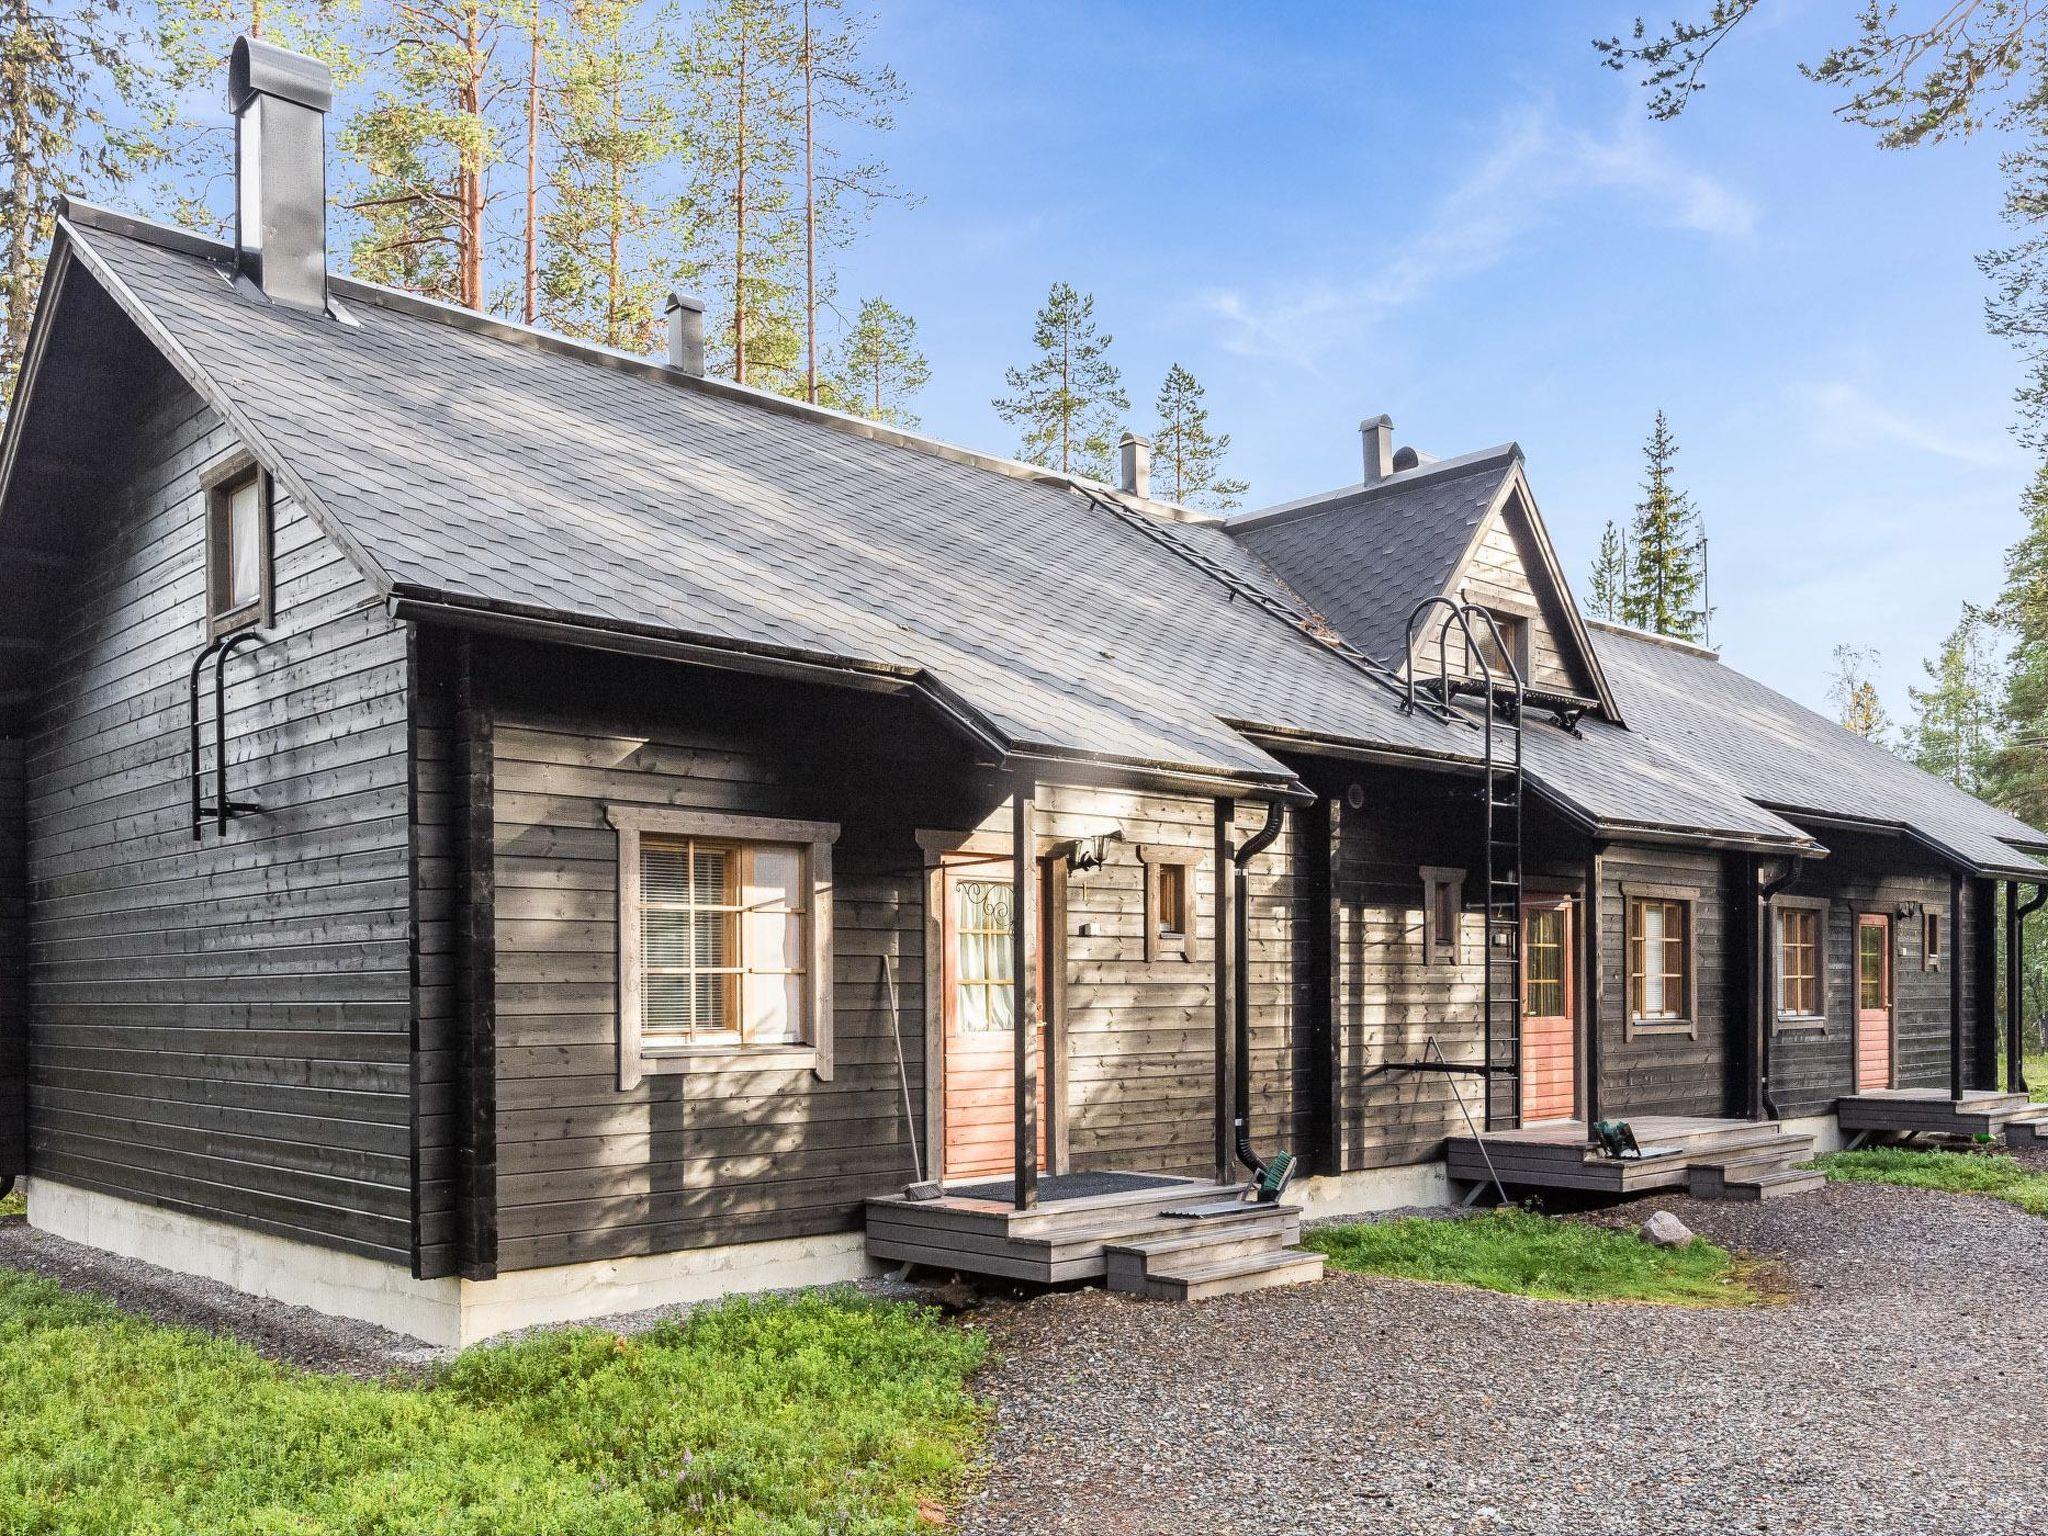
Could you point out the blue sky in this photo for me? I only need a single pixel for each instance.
(1451, 213)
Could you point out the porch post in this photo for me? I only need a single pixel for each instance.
(1224, 960)
(1591, 982)
(1955, 985)
(2015, 1081)
(1023, 983)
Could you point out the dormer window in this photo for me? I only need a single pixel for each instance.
(238, 586)
(1513, 646)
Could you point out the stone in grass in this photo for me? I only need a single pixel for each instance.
(1666, 1231)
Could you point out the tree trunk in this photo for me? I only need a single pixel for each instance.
(739, 247)
(532, 306)
(469, 192)
(811, 228)
(21, 200)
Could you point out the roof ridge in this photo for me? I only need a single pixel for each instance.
(187, 242)
(1669, 642)
(1351, 495)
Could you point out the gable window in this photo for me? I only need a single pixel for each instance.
(1512, 646)
(1170, 931)
(238, 579)
(1802, 962)
(1659, 963)
(1930, 941)
(725, 952)
(1443, 907)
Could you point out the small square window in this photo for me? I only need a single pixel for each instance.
(1930, 941)
(1510, 656)
(238, 550)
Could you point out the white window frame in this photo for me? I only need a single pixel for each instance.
(1434, 950)
(637, 1061)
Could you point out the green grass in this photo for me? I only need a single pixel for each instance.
(1526, 1254)
(15, 1204)
(2036, 1069)
(1969, 1173)
(824, 1413)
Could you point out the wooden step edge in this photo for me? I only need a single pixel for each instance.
(1133, 1230)
(1196, 1242)
(1281, 1261)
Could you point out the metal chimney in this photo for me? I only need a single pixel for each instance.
(1378, 433)
(686, 334)
(280, 101)
(1134, 461)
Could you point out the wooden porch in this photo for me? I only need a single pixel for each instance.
(1156, 1235)
(1724, 1159)
(2011, 1117)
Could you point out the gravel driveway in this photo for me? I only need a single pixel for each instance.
(1904, 1389)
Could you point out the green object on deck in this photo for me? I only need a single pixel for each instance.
(1277, 1174)
(1617, 1138)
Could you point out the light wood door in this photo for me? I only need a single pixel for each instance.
(1549, 1044)
(1873, 1001)
(980, 1040)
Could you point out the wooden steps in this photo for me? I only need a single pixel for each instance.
(1128, 1239)
(1930, 1111)
(1207, 1257)
(1763, 1169)
(1679, 1153)
(2029, 1128)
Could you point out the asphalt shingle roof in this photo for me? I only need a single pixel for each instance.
(1382, 548)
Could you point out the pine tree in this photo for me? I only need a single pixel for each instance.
(1855, 696)
(840, 90)
(2018, 775)
(426, 143)
(1954, 726)
(1666, 575)
(62, 69)
(1067, 398)
(879, 367)
(1187, 458)
(537, 38)
(744, 123)
(614, 132)
(1608, 597)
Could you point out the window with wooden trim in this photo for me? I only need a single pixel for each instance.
(724, 941)
(1930, 941)
(1443, 909)
(1513, 645)
(1802, 964)
(238, 581)
(1659, 961)
(1170, 917)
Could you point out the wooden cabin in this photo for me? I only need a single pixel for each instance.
(498, 830)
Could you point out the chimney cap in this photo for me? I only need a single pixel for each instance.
(257, 68)
(689, 301)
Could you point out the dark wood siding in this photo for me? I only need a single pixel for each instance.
(220, 1026)
(1811, 1069)
(1661, 1073)
(586, 1170)
(13, 964)
(1497, 576)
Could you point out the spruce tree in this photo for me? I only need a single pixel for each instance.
(1855, 695)
(603, 274)
(2018, 774)
(62, 68)
(1067, 398)
(1187, 458)
(743, 120)
(1954, 716)
(879, 367)
(1608, 597)
(1666, 574)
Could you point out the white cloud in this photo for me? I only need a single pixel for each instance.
(1844, 416)
(1533, 166)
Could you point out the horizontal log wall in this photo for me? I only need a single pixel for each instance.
(221, 1027)
(1659, 1073)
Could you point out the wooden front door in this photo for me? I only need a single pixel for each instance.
(1873, 1001)
(980, 1041)
(1549, 1047)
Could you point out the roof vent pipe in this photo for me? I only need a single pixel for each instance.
(686, 334)
(1134, 457)
(280, 101)
(1378, 434)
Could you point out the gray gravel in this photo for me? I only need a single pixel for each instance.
(1903, 1389)
(293, 1335)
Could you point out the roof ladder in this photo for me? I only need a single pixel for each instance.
(1503, 695)
(1289, 615)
